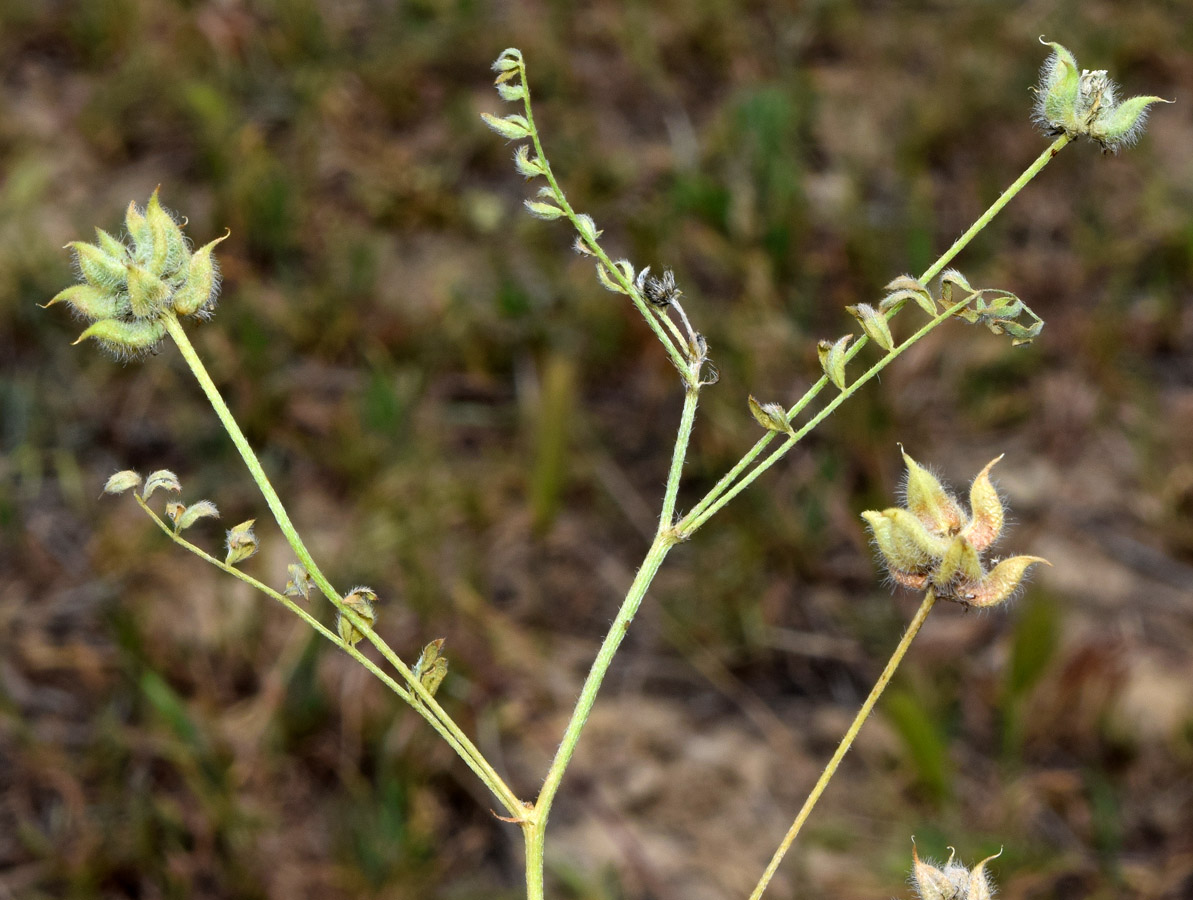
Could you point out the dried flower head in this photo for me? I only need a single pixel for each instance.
(661, 292)
(1077, 102)
(932, 542)
(952, 881)
(128, 287)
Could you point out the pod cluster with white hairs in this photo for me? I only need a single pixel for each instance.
(129, 286)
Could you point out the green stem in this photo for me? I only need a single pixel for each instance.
(534, 824)
(932, 271)
(830, 769)
(663, 543)
(693, 520)
(533, 833)
(678, 455)
(427, 704)
(677, 357)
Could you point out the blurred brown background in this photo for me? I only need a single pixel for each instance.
(459, 416)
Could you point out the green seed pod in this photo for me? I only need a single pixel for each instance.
(959, 565)
(125, 338)
(168, 244)
(92, 302)
(99, 268)
(987, 515)
(927, 499)
(1001, 582)
(146, 292)
(139, 232)
(196, 296)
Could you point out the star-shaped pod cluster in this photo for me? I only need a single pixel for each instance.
(127, 288)
(952, 881)
(1077, 102)
(931, 542)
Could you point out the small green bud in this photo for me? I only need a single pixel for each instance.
(512, 128)
(874, 324)
(189, 515)
(587, 228)
(509, 60)
(906, 288)
(431, 668)
(832, 359)
(531, 168)
(162, 478)
(241, 543)
(360, 600)
(299, 584)
(543, 210)
(770, 416)
(511, 92)
(121, 482)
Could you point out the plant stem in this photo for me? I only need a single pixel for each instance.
(615, 272)
(427, 705)
(535, 824)
(690, 399)
(695, 519)
(533, 833)
(830, 769)
(932, 271)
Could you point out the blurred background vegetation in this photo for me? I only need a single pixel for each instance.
(460, 417)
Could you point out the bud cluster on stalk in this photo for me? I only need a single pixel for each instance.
(129, 286)
(931, 542)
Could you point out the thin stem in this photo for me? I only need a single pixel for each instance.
(318, 626)
(996, 207)
(614, 271)
(830, 769)
(663, 543)
(279, 597)
(678, 455)
(932, 271)
(460, 742)
(533, 833)
(664, 540)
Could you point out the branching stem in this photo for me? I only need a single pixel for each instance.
(427, 705)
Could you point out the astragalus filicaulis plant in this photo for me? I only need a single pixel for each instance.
(136, 291)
